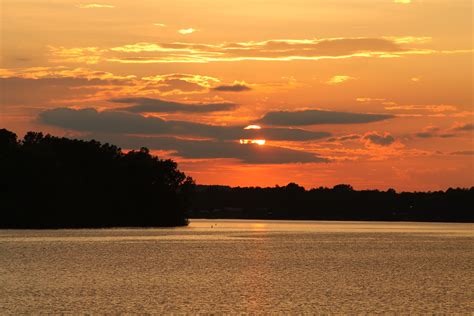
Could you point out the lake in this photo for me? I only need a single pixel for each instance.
(237, 266)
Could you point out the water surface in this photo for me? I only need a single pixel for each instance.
(232, 266)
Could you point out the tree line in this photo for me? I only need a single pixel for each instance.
(53, 182)
(342, 202)
(57, 182)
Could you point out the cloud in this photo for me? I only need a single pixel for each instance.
(402, 1)
(344, 138)
(463, 127)
(159, 24)
(236, 87)
(316, 117)
(463, 153)
(179, 83)
(207, 149)
(91, 120)
(270, 50)
(63, 84)
(41, 85)
(87, 55)
(428, 134)
(60, 72)
(122, 129)
(379, 139)
(187, 31)
(339, 79)
(149, 105)
(434, 131)
(436, 108)
(95, 6)
(369, 100)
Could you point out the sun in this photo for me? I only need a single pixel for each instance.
(253, 127)
(260, 142)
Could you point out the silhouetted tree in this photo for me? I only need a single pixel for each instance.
(52, 182)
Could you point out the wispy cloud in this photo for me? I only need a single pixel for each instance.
(402, 1)
(272, 50)
(339, 79)
(64, 84)
(159, 24)
(187, 31)
(95, 6)
(235, 87)
(369, 99)
(457, 130)
(60, 72)
(86, 55)
(179, 83)
(463, 153)
(437, 108)
(463, 127)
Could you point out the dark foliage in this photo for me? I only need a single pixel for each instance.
(51, 182)
(341, 202)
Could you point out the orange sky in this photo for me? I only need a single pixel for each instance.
(375, 93)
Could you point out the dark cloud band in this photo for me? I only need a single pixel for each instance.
(150, 105)
(207, 149)
(317, 117)
(232, 88)
(90, 120)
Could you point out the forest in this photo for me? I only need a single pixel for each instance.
(57, 182)
(342, 202)
(52, 182)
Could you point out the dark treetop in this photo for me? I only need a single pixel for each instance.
(51, 182)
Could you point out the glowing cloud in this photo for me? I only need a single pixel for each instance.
(339, 79)
(87, 55)
(430, 108)
(260, 142)
(159, 24)
(95, 6)
(187, 31)
(253, 127)
(271, 50)
(402, 1)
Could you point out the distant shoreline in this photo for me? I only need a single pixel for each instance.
(235, 220)
(334, 220)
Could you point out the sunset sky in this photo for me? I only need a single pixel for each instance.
(373, 93)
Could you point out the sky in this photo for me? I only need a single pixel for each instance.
(373, 93)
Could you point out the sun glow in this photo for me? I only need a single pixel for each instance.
(253, 127)
(253, 141)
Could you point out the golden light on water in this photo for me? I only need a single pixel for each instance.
(253, 141)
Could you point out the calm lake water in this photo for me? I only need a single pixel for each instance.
(240, 266)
